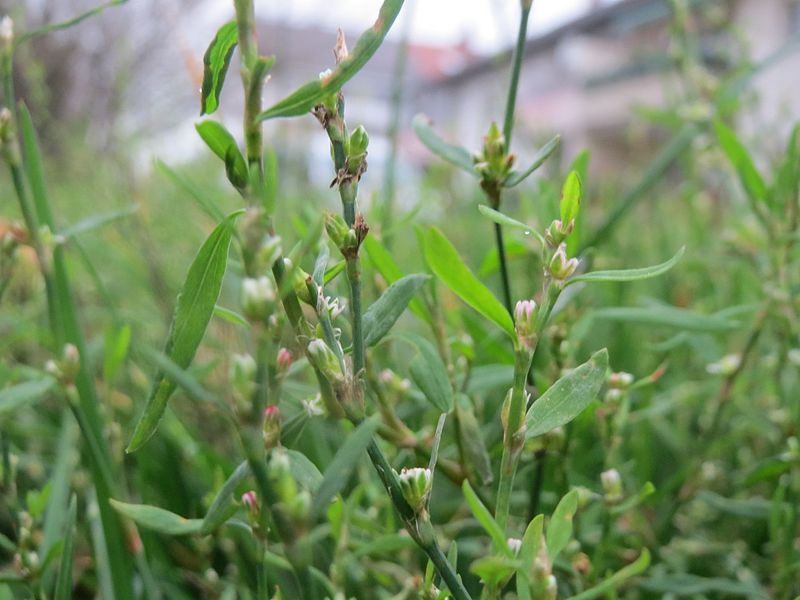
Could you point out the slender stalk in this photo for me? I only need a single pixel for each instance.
(398, 86)
(516, 65)
(513, 438)
(424, 540)
(508, 128)
(504, 277)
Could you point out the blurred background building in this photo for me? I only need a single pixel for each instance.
(130, 78)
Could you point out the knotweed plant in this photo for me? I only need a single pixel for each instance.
(447, 420)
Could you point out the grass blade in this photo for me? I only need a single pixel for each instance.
(63, 589)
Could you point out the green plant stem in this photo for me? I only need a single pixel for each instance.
(513, 438)
(423, 536)
(424, 539)
(516, 65)
(504, 277)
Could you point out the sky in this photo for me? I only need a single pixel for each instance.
(487, 25)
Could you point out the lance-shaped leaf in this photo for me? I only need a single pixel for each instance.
(470, 441)
(342, 465)
(17, 396)
(742, 162)
(666, 316)
(447, 265)
(571, 192)
(567, 397)
(384, 262)
(309, 95)
(515, 178)
(193, 312)
(529, 550)
(157, 519)
(485, 518)
(629, 274)
(430, 373)
(223, 144)
(382, 314)
(559, 529)
(215, 66)
(455, 155)
(502, 219)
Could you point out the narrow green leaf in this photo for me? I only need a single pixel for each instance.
(231, 316)
(559, 529)
(199, 195)
(494, 570)
(220, 509)
(430, 373)
(437, 440)
(447, 265)
(342, 465)
(485, 518)
(571, 193)
(648, 489)
(306, 472)
(515, 178)
(29, 35)
(666, 316)
(455, 155)
(63, 589)
(470, 441)
(115, 349)
(388, 544)
(158, 519)
(629, 274)
(321, 264)
(333, 271)
(529, 550)
(384, 312)
(215, 66)
(384, 262)
(28, 392)
(193, 312)
(95, 221)
(567, 397)
(686, 584)
(742, 162)
(676, 148)
(749, 508)
(309, 95)
(502, 219)
(223, 144)
(604, 587)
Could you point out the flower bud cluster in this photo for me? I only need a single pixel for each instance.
(494, 163)
(65, 369)
(258, 296)
(612, 486)
(525, 324)
(415, 483)
(271, 427)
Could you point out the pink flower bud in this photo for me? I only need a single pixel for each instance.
(284, 360)
(250, 502)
